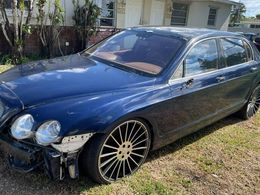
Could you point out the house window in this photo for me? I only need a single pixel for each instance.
(254, 26)
(212, 17)
(108, 14)
(179, 14)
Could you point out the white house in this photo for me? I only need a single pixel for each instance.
(248, 26)
(191, 13)
(126, 13)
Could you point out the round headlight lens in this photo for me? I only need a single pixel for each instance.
(48, 133)
(22, 127)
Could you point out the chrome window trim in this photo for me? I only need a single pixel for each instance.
(193, 76)
(171, 80)
(251, 50)
(207, 73)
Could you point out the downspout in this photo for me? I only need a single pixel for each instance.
(142, 14)
(65, 12)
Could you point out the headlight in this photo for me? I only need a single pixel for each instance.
(22, 127)
(48, 133)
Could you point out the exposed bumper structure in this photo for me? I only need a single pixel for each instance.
(25, 157)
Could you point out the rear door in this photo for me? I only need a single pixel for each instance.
(239, 71)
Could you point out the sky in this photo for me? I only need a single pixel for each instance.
(252, 6)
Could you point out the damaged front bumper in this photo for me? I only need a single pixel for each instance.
(57, 160)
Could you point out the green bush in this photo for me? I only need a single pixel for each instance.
(8, 60)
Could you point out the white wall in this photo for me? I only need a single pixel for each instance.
(147, 12)
(157, 12)
(199, 12)
(69, 12)
(133, 13)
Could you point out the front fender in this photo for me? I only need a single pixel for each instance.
(12, 105)
(97, 112)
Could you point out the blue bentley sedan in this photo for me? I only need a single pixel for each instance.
(101, 111)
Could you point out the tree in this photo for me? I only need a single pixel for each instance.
(85, 18)
(257, 16)
(237, 14)
(16, 32)
(50, 17)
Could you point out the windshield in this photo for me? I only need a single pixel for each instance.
(145, 51)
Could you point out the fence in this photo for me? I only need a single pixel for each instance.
(68, 42)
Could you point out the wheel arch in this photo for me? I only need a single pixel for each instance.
(149, 122)
(151, 129)
(255, 84)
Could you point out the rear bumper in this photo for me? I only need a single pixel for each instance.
(26, 157)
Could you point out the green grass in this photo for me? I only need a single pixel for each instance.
(220, 159)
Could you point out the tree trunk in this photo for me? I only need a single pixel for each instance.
(15, 20)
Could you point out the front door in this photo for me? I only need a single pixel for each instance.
(196, 93)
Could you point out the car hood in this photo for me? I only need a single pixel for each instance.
(48, 80)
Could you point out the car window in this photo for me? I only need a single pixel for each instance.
(129, 42)
(202, 58)
(234, 51)
(249, 51)
(147, 51)
(178, 73)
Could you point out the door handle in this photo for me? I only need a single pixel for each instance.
(187, 84)
(221, 78)
(253, 69)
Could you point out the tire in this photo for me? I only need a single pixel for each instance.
(252, 106)
(117, 154)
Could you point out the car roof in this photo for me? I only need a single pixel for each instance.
(184, 32)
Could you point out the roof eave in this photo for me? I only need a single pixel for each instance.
(228, 2)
